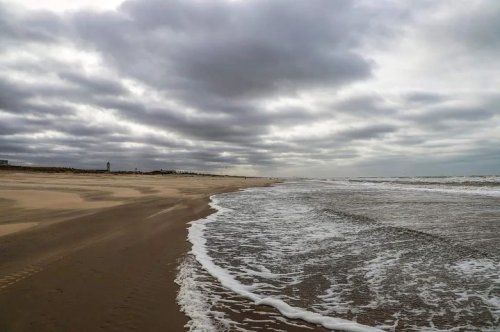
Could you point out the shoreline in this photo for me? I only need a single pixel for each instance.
(111, 267)
(260, 313)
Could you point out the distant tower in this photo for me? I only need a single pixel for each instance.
(108, 167)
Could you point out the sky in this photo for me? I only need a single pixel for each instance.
(312, 88)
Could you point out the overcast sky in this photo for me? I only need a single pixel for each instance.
(316, 88)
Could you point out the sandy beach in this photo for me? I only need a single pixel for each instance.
(97, 251)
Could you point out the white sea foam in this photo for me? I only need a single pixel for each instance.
(483, 268)
(199, 250)
(484, 191)
(485, 186)
(192, 299)
(331, 256)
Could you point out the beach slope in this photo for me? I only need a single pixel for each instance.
(97, 251)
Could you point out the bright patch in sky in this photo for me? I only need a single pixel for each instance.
(69, 5)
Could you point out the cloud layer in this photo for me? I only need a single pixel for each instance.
(315, 87)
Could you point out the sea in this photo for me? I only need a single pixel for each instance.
(347, 254)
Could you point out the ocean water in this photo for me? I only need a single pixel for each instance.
(361, 254)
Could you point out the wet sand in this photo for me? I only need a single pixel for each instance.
(97, 251)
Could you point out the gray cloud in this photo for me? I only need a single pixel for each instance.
(94, 85)
(479, 32)
(216, 85)
(368, 132)
(365, 105)
(219, 51)
(458, 117)
(36, 26)
(423, 97)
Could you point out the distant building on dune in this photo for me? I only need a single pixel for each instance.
(4, 162)
(108, 166)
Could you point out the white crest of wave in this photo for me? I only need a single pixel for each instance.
(192, 299)
(200, 252)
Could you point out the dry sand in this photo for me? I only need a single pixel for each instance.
(97, 251)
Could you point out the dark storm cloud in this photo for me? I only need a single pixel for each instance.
(18, 97)
(480, 32)
(214, 77)
(423, 97)
(12, 125)
(208, 127)
(73, 130)
(448, 116)
(11, 97)
(364, 133)
(213, 56)
(14, 148)
(339, 140)
(11, 128)
(37, 26)
(94, 85)
(232, 50)
(408, 141)
(364, 105)
(230, 122)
